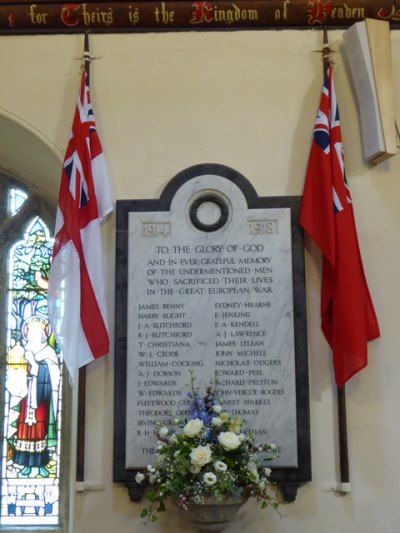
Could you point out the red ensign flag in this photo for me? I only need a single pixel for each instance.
(326, 214)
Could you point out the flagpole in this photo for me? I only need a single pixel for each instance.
(72, 472)
(80, 446)
(343, 448)
(344, 485)
(78, 401)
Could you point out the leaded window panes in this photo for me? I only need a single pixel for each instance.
(32, 376)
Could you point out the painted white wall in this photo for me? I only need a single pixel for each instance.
(248, 100)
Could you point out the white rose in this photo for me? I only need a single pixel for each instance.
(217, 409)
(150, 469)
(216, 421)
(139, 477)
(195, 469)
(220, 466)
(193, 427)
(209, 478)
(163, 431)
(267, 471)
(229, 440)
(201, 455)
(254, 472)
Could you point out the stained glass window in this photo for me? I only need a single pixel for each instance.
(16, 198)
(31, 459)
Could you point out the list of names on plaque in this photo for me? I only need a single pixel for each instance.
(217, 302)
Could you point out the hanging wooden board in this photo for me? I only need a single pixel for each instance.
(20, 17)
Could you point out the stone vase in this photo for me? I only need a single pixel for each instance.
(211, 516)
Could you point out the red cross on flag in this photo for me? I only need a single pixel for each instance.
(76, 299)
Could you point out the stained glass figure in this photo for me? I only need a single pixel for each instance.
(32, 421)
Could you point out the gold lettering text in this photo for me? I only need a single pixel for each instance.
(37, 18)
(347, 12)
(285, 9)
(360, 12)
(207, 12)
(97, 16)
(133, 16)
(164, 15)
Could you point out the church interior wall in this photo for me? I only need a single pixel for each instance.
(248, 100)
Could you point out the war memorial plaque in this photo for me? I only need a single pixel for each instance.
(211, 278)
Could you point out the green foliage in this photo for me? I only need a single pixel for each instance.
(206, 454)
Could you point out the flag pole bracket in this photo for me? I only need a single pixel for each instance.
(341, 489)
(326, 50)
(87, 57)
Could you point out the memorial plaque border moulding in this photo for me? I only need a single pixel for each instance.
(288, 479)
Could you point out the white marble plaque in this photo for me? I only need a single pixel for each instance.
(210, 288)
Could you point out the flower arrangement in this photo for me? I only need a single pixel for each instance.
(206, 455)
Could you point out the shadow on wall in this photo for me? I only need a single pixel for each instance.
(27, 153)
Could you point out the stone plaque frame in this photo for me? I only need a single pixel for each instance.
(288, 478)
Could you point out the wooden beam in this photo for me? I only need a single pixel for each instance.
(21, 17)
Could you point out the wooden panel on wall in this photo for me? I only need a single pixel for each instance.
(21, 17)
